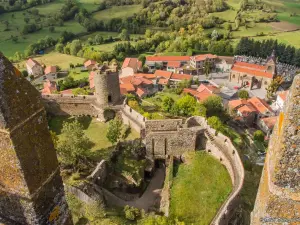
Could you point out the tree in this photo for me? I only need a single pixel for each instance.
(259, 136)
(213, 105)
(124, 35)
(184, 106)
(74, 147)
(26, 19)
(207, 68)
(200, 110)
(75, 47)
(131, 213)
(167, 104)
(273, 86)
(215, 123)
(51, 29)
(25, 73)
(59, 47)
(243, 94)
(114, 131)
(142, 59)
(14, 39)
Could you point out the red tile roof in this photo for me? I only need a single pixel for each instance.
(89, 63)
(162, 73)
(260, 105)
(133, 63)
(128, 86)
(204, 57)
(270, 121)
(174, 64)
(145, 75)
(210, 88)
(201, 96)
(163, 81)
(167, 58)
(49, 87)
(123, 91)
(246, 109)
(50, 69)
(91, 79)
(283, 95)
(252, 72)
(236, 103)
(140, 92)
(31, 62)
(176, 76)
(136, 81)
(250, 65)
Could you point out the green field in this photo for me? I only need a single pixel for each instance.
(94, 130)
(117, 12)
(55, 59)
(200, 187)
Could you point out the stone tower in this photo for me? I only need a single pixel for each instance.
(107, 86)
(278, 197)
(31, 188)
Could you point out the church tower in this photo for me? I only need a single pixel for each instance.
(271, 64)
(31, 188)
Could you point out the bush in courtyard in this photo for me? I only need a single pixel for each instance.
(259, 136)
(114, 131)
(167, 104)
(215, 123)
(131, 213)
(213, 105)
(243, 94)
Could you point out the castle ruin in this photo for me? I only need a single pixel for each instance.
(278, 197)
(107, 95)
(31, 188)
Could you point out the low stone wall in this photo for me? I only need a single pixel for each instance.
(133, 118)
(163, 125)
(81, 195)
(165, 194)
(99, 175)
(222, 148)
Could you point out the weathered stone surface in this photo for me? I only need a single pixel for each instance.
(278, 197)
(31, 189)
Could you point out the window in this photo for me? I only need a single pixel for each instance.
(233, 76)
(266, 83)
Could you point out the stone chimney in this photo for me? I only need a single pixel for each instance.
(278, 197)
(31, 188)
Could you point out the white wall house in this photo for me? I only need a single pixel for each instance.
(281, 97)
(34, 68)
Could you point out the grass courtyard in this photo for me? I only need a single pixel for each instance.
(199, 188)
(94, 130)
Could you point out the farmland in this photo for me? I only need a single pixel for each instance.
(12, 23)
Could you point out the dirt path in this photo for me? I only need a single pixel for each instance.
(147, 200)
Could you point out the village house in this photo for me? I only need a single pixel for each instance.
(253, 76)
(173, 66)
(280, 100)
(34, 68)
(267, 124)
(198, 62)
(50, 72)
(203, 91)
(224, 64)
(161, 62)
(177, 78)
(139, 85)
(130, 66)
(90, 64)
(50, 87)
(250, 111)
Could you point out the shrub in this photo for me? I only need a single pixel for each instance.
(243, 94)
(131, 213)
(259, 136)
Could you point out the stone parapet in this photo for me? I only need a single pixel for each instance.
(278, 197)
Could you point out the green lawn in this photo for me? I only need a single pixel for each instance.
(78, 75)
(94, 130)
(200, 187)
(117, 12)
(55, 59)
(228, 15)
(89, 5)
(285, 16)
(159, 96)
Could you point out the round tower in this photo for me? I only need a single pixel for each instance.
(101, 87)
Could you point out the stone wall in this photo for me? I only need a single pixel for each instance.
(133, 118)
(99, 175)
(278, 196)
(165, 193)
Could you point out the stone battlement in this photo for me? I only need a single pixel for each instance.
(278, 197)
